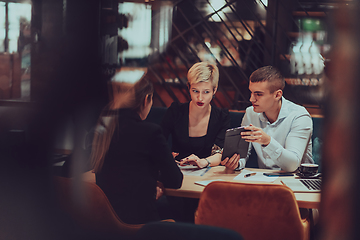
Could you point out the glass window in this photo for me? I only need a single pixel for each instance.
(15, 35)
(138, 32)
(2, 26)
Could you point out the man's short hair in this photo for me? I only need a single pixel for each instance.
(271, 75)
(203, 72)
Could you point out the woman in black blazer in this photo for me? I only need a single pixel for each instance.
(130, 156)
(197, 128)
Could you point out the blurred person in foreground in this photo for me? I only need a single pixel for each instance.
(132, 161)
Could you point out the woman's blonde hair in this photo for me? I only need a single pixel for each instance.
(125, 95)
(203, 72)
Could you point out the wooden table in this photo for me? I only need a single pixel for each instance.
(191, 190)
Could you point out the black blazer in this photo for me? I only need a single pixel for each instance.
(176, 124)
(138, 156)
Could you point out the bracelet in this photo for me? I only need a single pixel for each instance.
(208, 162)
(216, 149)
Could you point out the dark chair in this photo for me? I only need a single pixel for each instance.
(184, 231)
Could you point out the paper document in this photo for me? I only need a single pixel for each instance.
(193, 170)
(254, 177)
(206, 182)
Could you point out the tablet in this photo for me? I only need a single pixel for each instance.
(234, 143)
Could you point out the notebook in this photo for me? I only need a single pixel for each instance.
(303, 185)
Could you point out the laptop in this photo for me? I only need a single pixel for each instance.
(303, 185)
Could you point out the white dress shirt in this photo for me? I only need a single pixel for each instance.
(290, 135)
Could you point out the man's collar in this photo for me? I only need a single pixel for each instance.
(284, 111)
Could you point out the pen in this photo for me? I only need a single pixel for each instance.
(249, 175)
(205, 171)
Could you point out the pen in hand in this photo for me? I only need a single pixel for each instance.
(249, 175)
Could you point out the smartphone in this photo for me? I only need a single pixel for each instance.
(279, 174)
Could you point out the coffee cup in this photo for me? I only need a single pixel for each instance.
(308, 169)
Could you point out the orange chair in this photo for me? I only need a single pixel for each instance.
(256, 211)
(89, 207)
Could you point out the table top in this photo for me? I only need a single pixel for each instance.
(191, 190)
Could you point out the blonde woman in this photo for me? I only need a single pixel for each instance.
(197, 128)
(130, 155)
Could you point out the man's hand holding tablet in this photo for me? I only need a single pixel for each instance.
(234, 147)
(255, 134)
(231, 163)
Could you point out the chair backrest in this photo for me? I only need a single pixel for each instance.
(256, 211)
(89, 207)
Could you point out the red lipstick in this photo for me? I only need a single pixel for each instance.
(200, 104)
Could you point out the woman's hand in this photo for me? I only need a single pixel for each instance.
(159, 190)
(194, 160)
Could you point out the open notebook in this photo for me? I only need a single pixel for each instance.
(303, 185)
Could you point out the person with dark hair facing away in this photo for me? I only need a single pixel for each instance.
(131, 158)
(280, 130)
